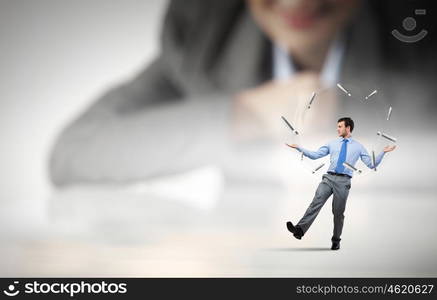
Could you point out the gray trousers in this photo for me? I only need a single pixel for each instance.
(331, 184)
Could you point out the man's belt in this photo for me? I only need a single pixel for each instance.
(339, 174)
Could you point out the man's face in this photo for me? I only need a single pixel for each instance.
(342, 130)
(301, 24)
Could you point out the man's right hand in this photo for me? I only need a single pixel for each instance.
(294, 146)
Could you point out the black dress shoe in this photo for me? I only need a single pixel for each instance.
(335, 245)
(295, 230)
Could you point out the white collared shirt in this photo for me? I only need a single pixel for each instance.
(283, 67)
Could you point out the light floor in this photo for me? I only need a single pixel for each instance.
(386, 234)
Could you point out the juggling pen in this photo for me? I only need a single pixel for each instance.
(343, 89)
(350, 167)
(289, 125)
(318, 168)
(389, 113)
(373, 93)
(386, 136)
(311, 100)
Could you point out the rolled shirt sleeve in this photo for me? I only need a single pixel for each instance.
(321, 152)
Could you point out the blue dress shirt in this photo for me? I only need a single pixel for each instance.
(354, 151)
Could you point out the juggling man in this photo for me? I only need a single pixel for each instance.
(345, 152)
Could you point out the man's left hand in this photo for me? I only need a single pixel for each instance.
(389, 148)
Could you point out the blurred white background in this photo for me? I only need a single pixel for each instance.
(57, 57)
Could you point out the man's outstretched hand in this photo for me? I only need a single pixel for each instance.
(294, 146)
(389, 148)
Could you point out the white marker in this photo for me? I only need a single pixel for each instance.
(373, 160)
(312, 99)
(289, 125)
(318, 168)
(350, 167)
(343, 89)
(389, 114)
(373, 93)
(386, 136)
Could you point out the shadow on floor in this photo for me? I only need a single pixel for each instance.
(300, 249)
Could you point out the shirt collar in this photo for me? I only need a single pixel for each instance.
(349, 139)
(283, 67)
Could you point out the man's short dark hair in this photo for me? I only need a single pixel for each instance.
(347, 122)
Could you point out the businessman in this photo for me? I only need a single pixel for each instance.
(338, 179)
